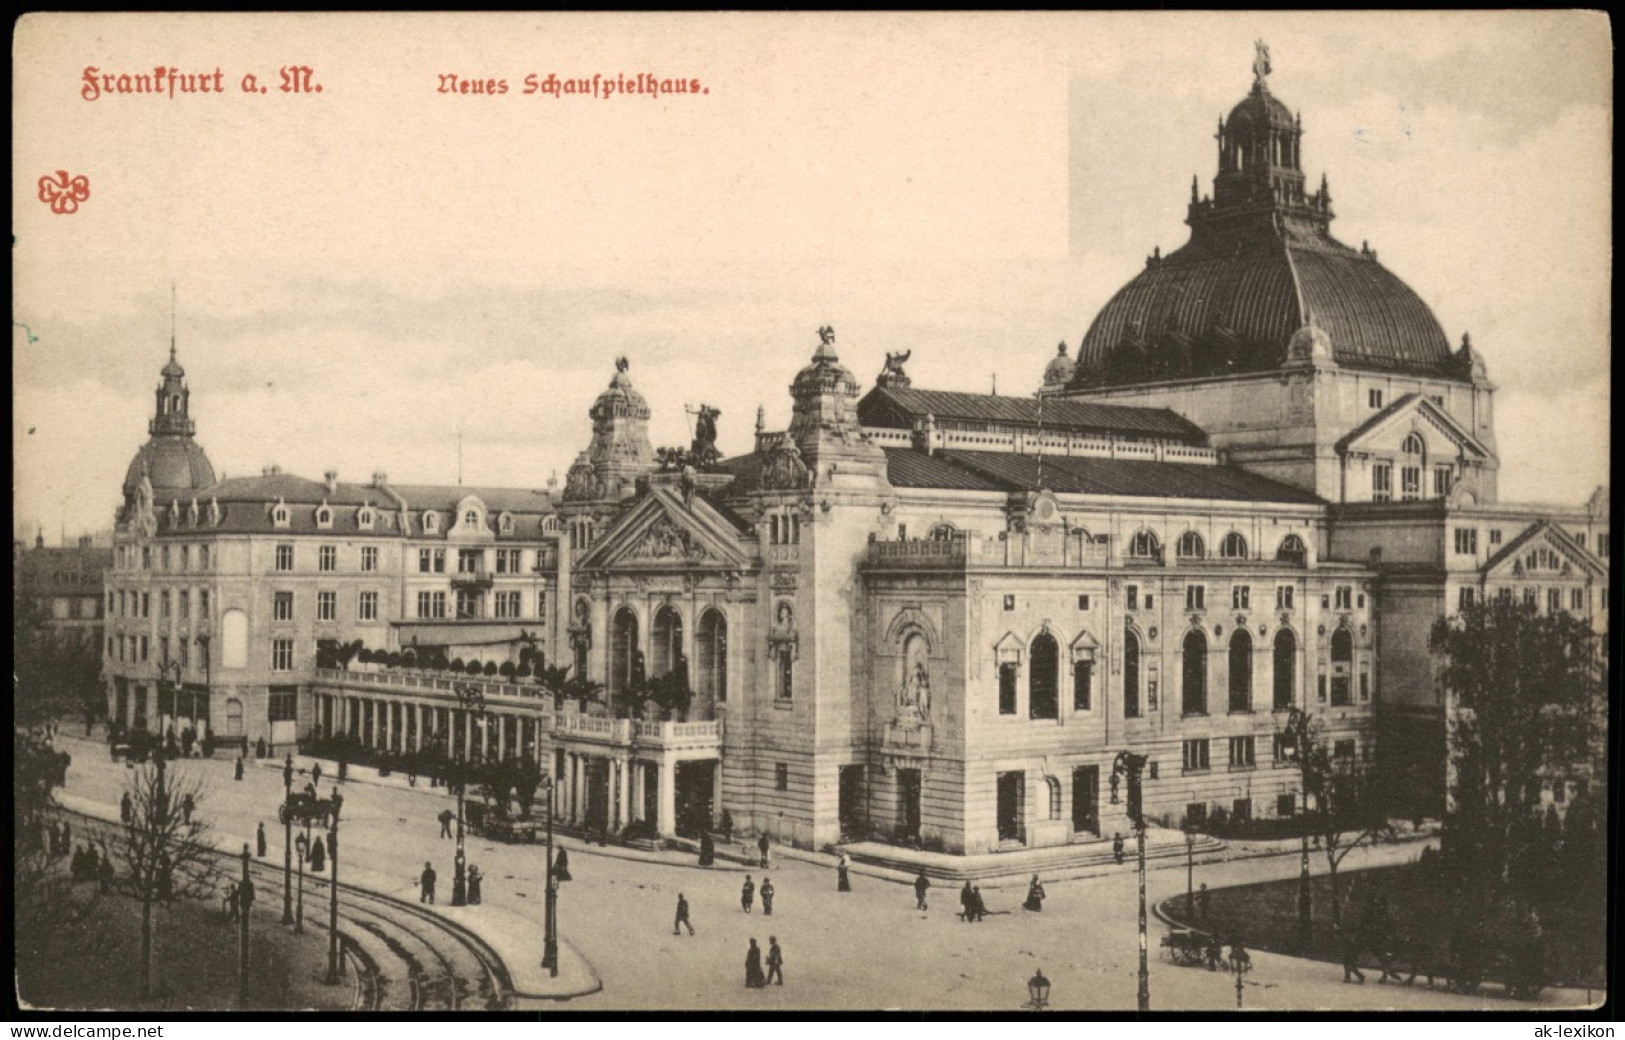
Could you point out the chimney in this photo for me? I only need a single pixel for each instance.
(332, 479)
(379, 478)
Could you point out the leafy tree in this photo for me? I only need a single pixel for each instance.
(1528, 703)
(54, 672)
(166, 856)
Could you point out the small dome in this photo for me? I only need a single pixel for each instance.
(621, 399)
(1059, 371)
(173, 370)
(1310, 343)
(1260, 106)
(825, 373)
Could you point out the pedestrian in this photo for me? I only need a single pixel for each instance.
(187, 805)
(1035, 895)
(843, 883)
(708, 850)
(318, 856)
(104, 872)
(344, 770)
(1203, 900)
(316, 774)
(259, 840)
(474, 879)
(775, 962)
(922, 884)
(446, 816)
(237, 773)
(427, 880)
(977, 906)
(561, 866)
(747, 894)
(967, 900)
(767, 898)
(761, 846)
(682, 917)
(727, 824)
(1117, 847)
(1350, 950)
(259, 747)
(126, 809)
(1213, 953)
(412, 776)
(231, 901)
(67, 839)
(753, 967)
(76, 869)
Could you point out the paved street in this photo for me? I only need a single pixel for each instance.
(868, 949)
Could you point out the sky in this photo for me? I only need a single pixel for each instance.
(383, 276)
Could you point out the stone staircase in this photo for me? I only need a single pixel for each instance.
(1051, 863)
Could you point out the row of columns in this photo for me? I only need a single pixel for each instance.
(405, 726)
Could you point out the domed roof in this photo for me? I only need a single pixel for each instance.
(1310, 343)
(824, 374)
(1261, 106)
(620, 399)
(172, 463)
(173, 370)
(1060, 369)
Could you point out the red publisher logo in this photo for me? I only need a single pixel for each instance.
(63, 193)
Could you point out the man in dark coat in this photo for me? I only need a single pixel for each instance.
(967, 903)
(708, 851)
(727, 825)
(767, 898)
(561, 866)
(775, 962)
(682, 917)
(1349, 947)
(318, 856)
(1117, 848)
(427, 880)
(922, 884)
(126, 808)
(237, 772)
(446, 816)
(104, 873)
(747, 894)
(761, 846)
(259, 841)
(978, 908)
(316, 774)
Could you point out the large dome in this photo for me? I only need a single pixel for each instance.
(173, 464)
(1260, 262)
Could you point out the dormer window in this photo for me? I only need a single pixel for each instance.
(364, 518)
(431, 522)
(550, 525)
(280, 515)
(324, 516)
(506, 523)
(471, 518)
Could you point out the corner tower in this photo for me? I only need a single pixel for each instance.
(172, 461)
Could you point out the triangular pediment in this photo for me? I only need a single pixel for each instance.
(659, 531)
(1385, 432)
(1543, 550)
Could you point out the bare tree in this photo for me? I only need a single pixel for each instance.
(166, 851)
(1343, 816)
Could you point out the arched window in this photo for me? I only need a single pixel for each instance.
(1286, 666)
(324, 517)
(1241, 671)
(1234, 547)
(623, 649)
(1191, 547)
(431, 521)
(1144, 546)
(1342, 665)
(1410, 470)
(711, 646)
(1195, 689)
(1043, 679)
(1292, 550)
(667, 642)
(1131, 675)
(1054, 786)
(364, 518)
(943, 532)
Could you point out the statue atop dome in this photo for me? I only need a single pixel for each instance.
(1261, 63)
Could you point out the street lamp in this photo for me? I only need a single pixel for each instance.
(203, 648)
(1295, 745)
(164, 670)
(287, 840)
(1240, 964)
(1037, 991)
(333, 888)
(550, 927)
(302, 843)
(1190, 867)
(1129, 766)
(470, 697)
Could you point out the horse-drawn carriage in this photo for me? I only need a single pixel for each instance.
(487, 822)
(1193, 949)
(303, 807)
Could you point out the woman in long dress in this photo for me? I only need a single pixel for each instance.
(754, 979)
(1035, 895)
(843, 883)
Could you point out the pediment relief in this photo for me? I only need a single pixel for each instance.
(1543, 551)
(1385, 433)
(659, 532)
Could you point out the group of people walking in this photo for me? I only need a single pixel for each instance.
(754, 978)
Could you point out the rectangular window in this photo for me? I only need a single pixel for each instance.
(1007, 688)
(281, 655)
(470, 561)
(1602, 544)
(163, 650)
(1466, 541)
(327, 558)
(203, 557)
(1196, 755)
(1495, 536)
(1195, 597)
(1241, 753)
(425, 561)
(1241, 597)
(1083, 678)
(1148, 603)
(284, 557)
(144, 647)
(1437, 399)
(282, 607)
(369, 557)
(1365, 686)
(469, 602)
(282, 706)
(1464, 598)
(327, 606)
(146, 557)
(203, 604)
(1529, 597)
(508, 561)
(541, 607)
(186, 604)
(1320, 688)
(1410, 483)
(163, 603)
(1132, 597)
(1009, 603)
(146, 604)
(366, 606)
(781, 777)
(1196, 814)
(1374, 398)
(163, 555)
(507, 604)
(1283, 597)
(1345, 597)
(1442, 477)
(1343, 749)
(1382, 482)
(1554, 600)
(184, 647)
(186, 557)
(1083, 602)
(1577, 599)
